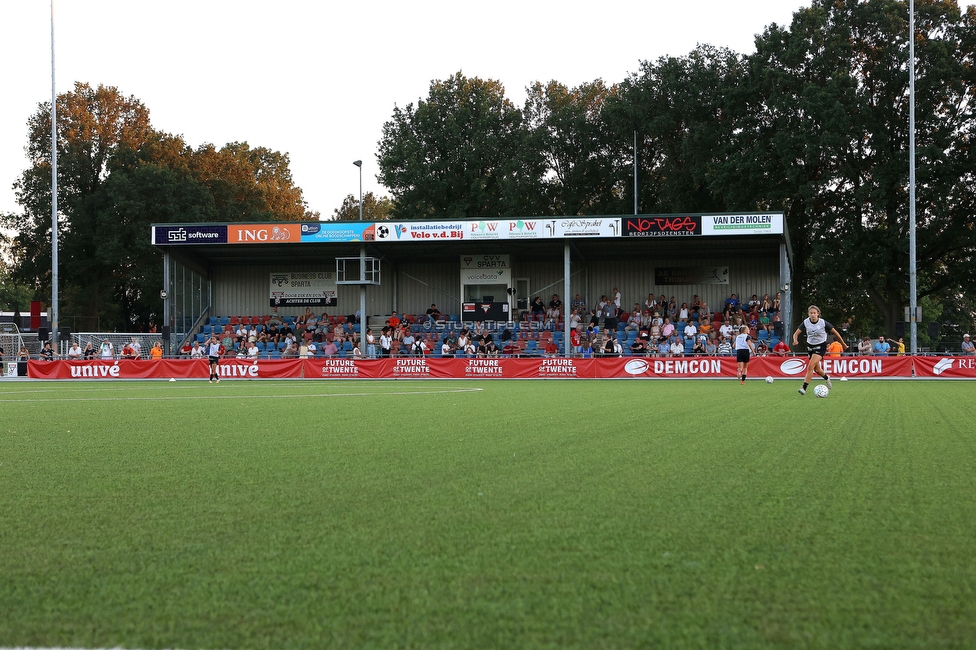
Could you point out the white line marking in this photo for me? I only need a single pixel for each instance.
(261, 396)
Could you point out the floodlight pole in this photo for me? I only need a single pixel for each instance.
(54, 193)
(912, 289)
(362, 265)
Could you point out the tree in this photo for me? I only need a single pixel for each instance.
(825, 131)
(116, 176)
(374, 209)
(680, 108)
(457, 154)
(578, 155)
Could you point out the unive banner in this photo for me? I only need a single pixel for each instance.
(506, 368)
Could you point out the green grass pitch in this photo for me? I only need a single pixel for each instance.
(487, 514)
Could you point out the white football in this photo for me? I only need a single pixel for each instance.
(769, 380)
(821, 391)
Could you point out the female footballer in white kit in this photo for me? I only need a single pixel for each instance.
(816, 330)
(743, 349)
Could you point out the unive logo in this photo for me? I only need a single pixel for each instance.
(793, 366)
(636, 367)
(943, 365)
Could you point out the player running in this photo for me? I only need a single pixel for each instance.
(816, 330)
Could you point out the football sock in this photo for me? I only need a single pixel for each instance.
(805, 384)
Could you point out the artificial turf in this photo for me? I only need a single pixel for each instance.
(487, 514)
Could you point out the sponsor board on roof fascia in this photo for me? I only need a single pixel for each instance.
(499, 229)
(339, 231)
(765, 223)
(189, 234)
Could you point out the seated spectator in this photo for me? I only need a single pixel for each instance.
(330, 349)
(766, 304)
(731, 307)
(433, 314)
(705, 327)
(711, 348)
(762, 348)
(357, 349)
(663, 347)
(578, 304)
(512, 349)
(683, 312)
(555, 303)
(156, 352)
(47, 353)
(633, 321)
(639, 347)
(753, 304)
(968, 348)
(394, 321)
(448, 346)
(312, 349)
(127, 352)
(726, 329)
(594, 318)
(704, 316)
(695, 306)
(668, 329)
(538, 309)
(699, 347)
(303, 349)
(550, 348)
(650, 304)
(724, 347)
(291, 349)
(552, 317)
(275, 319)
(196, 350)
(691, 332)
(227, 340)
(408, 341)
(677, 347)
(781, 348)
(75, 352)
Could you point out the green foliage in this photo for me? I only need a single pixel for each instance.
(847, 523)
(374, 209)
(117, 176)
(457, 154)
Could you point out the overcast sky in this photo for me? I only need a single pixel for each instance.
(316, 79)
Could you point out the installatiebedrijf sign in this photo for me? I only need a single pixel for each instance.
(303, 288)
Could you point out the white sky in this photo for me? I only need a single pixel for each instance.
(317, 79)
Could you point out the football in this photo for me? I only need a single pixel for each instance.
(821, 391)
(769, 380)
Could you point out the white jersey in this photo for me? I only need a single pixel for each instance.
(742, 341)
(816, 332)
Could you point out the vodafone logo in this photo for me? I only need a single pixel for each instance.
(636, 367)
(793, 366)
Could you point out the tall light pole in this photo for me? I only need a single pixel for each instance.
(912, 289)
(359, 163)
(54, 195)
(363, 319)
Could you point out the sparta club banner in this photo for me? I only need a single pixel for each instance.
(506, 368)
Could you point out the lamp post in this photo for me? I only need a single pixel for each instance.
(359, 163)
(363, 319)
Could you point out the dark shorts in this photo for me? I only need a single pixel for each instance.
(742, 356)
(820, 350)
(213, 360)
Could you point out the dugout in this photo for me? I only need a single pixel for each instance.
(230, 269)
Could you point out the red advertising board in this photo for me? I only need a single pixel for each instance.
(946, 367)
(505, 368)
